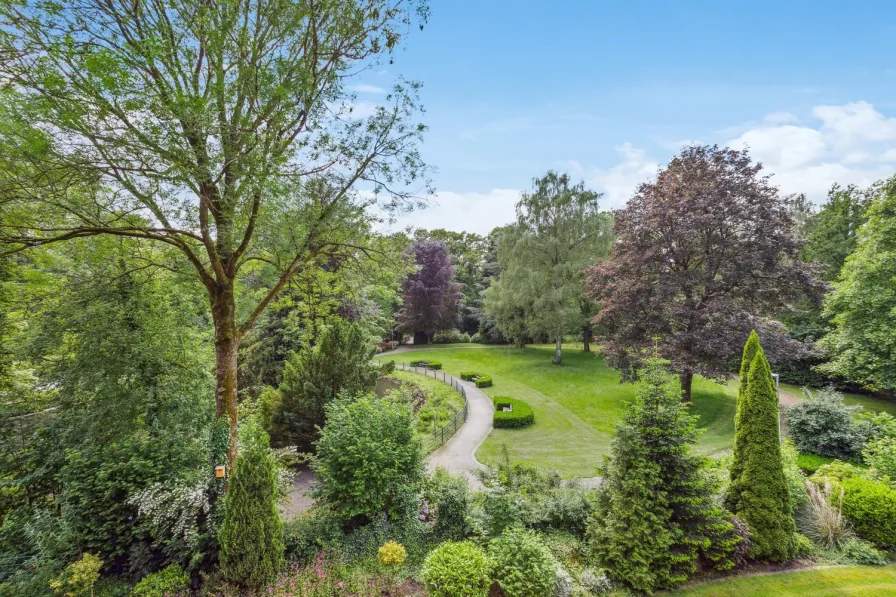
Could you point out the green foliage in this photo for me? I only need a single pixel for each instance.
(871, 508)
(861, 303)
(880, 455)
(483, 381)
(309, 533)
(251, 535)
(521, 564)
(337, 364)
(857, 551)
(79, 577)
(803, 547)
(758, 493)
(657, 544)
(835, 471)
(450, 337)
(520, 414)
(369, 460)
(540, 291)
(810, 463)
(440, 401)
(451, 498)
(168, 581)
(824, 425)
(453, 569)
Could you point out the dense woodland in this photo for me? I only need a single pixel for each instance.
(197, 267)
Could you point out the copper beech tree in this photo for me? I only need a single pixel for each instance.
(705, 253)
(223, 130)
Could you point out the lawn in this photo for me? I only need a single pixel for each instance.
(576, 406)
(868, 403)
(855, 581)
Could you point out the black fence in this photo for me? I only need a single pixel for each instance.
(438, 437)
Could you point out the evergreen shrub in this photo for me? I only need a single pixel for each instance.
(522, 565)
(520, 414)
(456, 569)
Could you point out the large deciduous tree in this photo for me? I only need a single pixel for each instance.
(223, 130)
(558, 233)
(861, 307)
(706, 252)
(430, 294)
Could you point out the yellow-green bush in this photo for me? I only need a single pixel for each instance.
(392, 554)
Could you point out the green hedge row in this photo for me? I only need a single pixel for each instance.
(480, 379)
(430, 364)
(520, 414)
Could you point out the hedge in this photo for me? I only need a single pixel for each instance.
(871, 508)
(520, 414)
(480, 379)
(430, 364)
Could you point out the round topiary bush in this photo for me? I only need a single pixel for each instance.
(392, 554)
(522, 565)
(169, 581)
(519, 415)
(871, 508)
(454, 569)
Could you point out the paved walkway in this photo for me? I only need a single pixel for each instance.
(458, 455)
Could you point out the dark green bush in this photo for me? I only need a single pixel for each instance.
(456, 569)
(387, 368)
(468, 375)
(450, 337)
(451, 498)
(522, 565)
(252, 534)
(484, 381)
(429, 364)
(824, 425)
(309, 533)
(369, 460)
(871, 508)
(169, 581)
(434, 365)
(520, 414)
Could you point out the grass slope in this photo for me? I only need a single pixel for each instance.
(576, 406)
(869, 403)
(856, 581)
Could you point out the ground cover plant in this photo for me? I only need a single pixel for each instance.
(442, 401)
(575, 405)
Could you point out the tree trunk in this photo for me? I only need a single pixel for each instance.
(558, 355)
(586, 338)
(686, 381)
(421, 338)
(226, 346)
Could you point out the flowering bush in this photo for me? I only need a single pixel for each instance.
(391, 554)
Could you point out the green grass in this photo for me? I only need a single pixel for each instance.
(576, 406)
(442, 400)
(855, 581)
(809, 463)
(869, 403)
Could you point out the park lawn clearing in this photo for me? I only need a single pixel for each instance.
(576, 406)
(856, 581)
(868, 403)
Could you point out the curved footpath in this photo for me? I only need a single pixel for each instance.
(458, 455)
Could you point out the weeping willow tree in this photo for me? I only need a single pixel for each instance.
(558, 233)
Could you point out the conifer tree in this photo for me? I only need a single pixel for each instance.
(758, 492)
(750, 349)
(653, 466)
(252, 533)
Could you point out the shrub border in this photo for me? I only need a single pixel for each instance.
(520, 416)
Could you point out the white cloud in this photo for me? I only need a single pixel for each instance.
(365, 88)
(618, 182)
(471, 212)
(848, 146)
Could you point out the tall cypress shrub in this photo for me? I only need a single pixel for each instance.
(251, 535)
(758, 491)
(751, 347)
(656, 514)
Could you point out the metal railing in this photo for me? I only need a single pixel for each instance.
(438, 437)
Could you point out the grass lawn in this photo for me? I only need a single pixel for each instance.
(576, 406)
(869, 403)
(827, 582)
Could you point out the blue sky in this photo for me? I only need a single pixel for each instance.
(609, 91)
